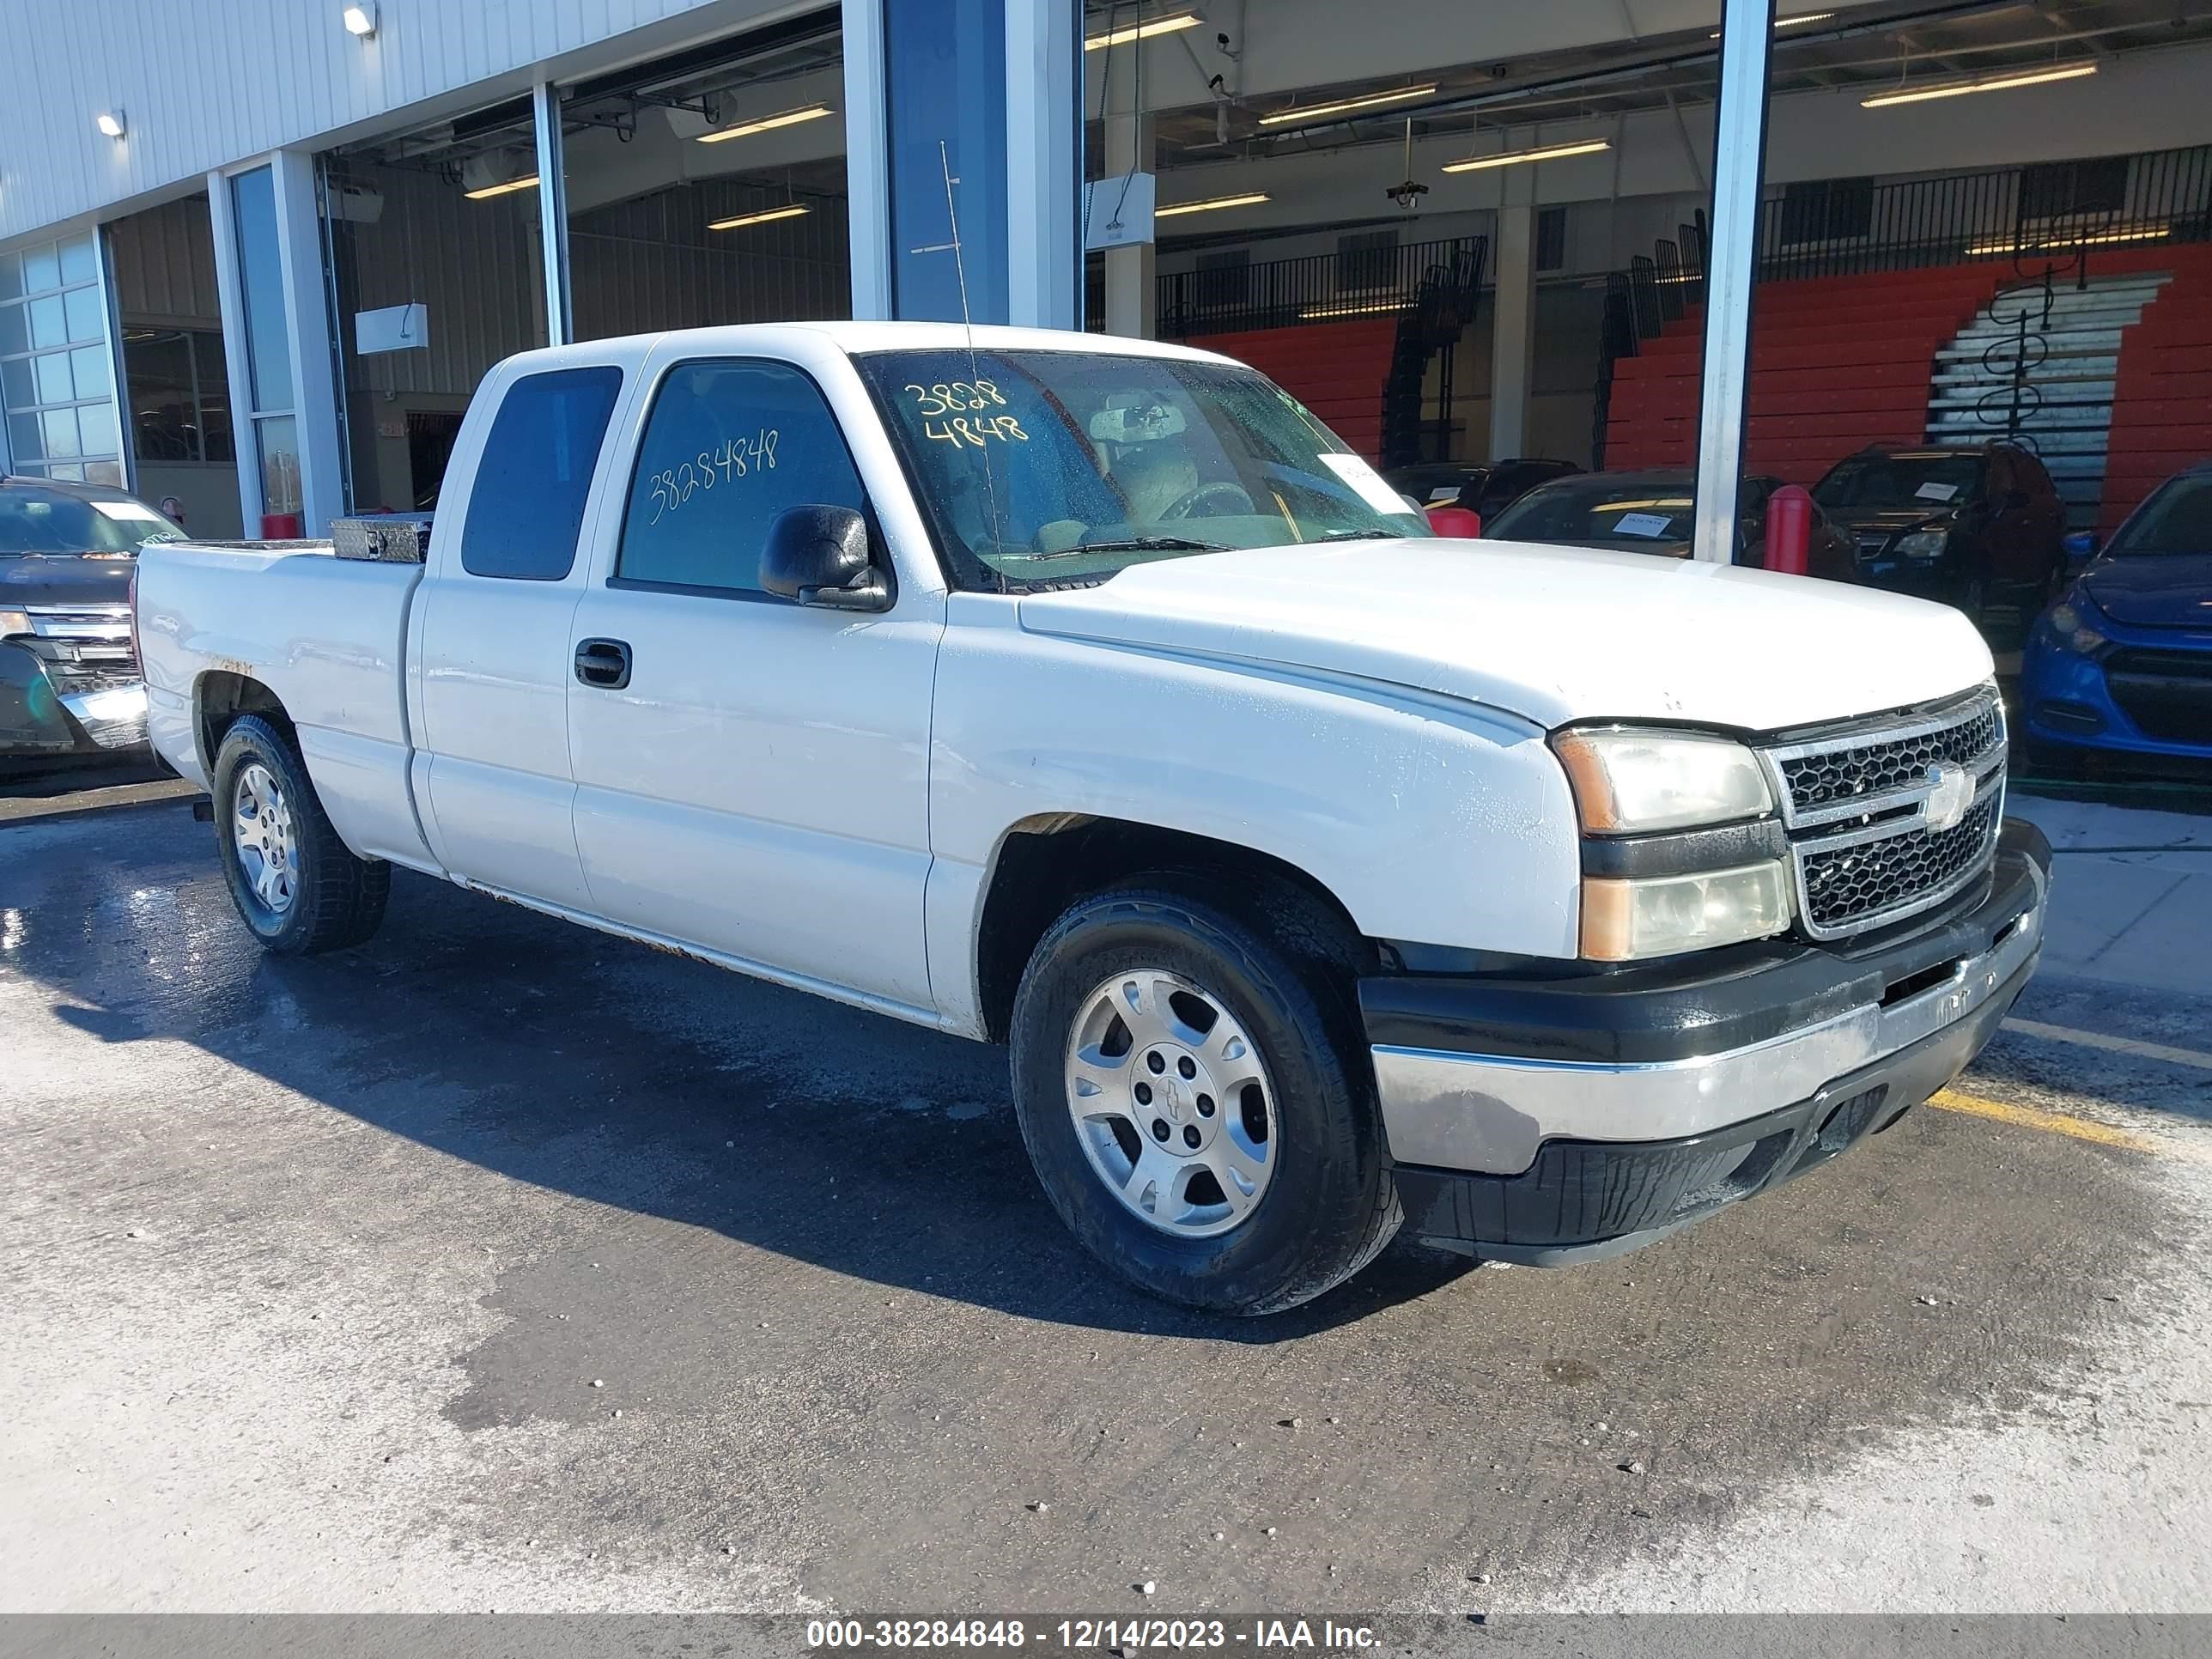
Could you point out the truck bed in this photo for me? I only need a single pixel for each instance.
(326, 634)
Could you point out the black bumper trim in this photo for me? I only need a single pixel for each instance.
(1697, 1005)
(1585, 1200)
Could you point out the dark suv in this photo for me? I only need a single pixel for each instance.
(68, 673)
(1982, 529)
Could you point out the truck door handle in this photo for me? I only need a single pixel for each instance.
(604, 664)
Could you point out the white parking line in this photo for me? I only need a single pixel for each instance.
(2118, 1045)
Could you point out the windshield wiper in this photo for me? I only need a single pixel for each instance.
(1134, 544)
(1361, 535)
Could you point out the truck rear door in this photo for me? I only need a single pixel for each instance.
(494, 658)
(756, 782)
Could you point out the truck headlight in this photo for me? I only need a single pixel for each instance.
(1627, 782)
(1923, 544)
(1623, 920)
(13, 622)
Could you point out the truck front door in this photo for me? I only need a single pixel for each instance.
(757, 783)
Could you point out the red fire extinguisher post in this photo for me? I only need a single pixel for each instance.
(1789, 530)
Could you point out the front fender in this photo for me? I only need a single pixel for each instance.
(1430, 820)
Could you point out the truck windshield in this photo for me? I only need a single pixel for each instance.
(35, 520)
(1050, 467)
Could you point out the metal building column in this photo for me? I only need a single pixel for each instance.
(1513, 328)
(553, 214)
(867, 160)
(1044, 163)
(1731, 261)
(1132, 292)
(308, 315)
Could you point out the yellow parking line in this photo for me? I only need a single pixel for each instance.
(2118, 1045)
(2062, 1123)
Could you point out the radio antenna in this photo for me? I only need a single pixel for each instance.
(967, 322)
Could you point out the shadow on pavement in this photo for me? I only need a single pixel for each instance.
(554, 1056)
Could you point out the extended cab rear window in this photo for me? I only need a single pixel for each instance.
(527, 505)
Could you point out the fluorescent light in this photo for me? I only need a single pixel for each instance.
(790, 118)
(2095, 238)
(360, 20)
(1144, 31)
(1512, 157)
(1344, 105)
(111, 122)
(766, 217)
(1798, 22)
(1248, 199)
(528, 181)
(1995, 83)
(1311, 313)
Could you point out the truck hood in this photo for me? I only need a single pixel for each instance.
(2154, 590)
(64, 579)
(1551, 634)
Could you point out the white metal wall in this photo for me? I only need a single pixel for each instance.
(206, 84)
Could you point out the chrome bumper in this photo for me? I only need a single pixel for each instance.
(113, 718)
(1491, 1113)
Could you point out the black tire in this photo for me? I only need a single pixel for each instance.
(336, 899)
(1277, 964)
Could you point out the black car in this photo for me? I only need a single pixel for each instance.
(69, 675)
(1651, 512)
(1484, 487)
(1982, 529)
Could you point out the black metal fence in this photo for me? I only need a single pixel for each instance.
(1316, 288)
(1844, 228)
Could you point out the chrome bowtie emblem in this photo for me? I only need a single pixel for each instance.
(1950, 793)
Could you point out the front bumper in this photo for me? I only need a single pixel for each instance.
(39, 718)
(1549, 1120)
(2069, 700)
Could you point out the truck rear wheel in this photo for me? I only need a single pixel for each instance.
(1192, 1093)
(296, 886)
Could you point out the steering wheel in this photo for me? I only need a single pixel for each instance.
(1186, 505)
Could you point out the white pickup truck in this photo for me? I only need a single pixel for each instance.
(1089, 696)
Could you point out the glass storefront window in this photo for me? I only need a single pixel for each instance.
(947, 107)
(54, 379)
(449, 225)
(261, 285)
(279, 437)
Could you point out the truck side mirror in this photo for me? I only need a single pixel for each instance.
(820, 556)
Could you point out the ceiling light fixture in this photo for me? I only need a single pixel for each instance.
(1513, 157)
(1993, 83)
(1343, 107)
(360, 20)
(528, 181)
(1798, 22)
(795, 210)
(1249, 199)
(1144, 31)
(111, 122)
(790, 118)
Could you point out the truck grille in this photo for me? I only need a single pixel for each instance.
(85, 646)
(1855, 803)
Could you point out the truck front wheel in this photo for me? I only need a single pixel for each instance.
(298, 888)
(1193, 1096)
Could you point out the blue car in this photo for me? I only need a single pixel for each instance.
(2121, 666)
